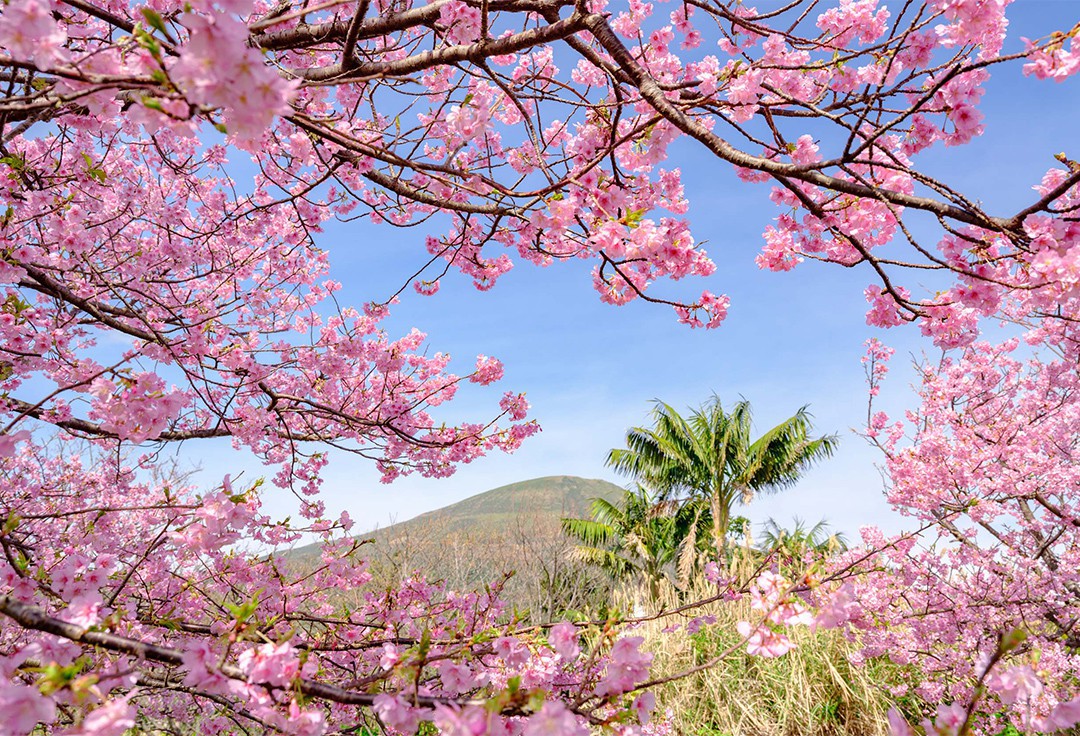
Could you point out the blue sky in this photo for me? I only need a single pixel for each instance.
(591, 370)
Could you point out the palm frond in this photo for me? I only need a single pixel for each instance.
(606, 512)
(607, 560)
(590, 533)
(710, 455)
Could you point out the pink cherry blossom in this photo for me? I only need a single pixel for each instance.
(397, 713)
(763, 641)
(114, 718)
(564, 639)
(1063, 716)
(275, 664)
(554, 719)
(628, 666)
(170, 173)
(29, 32)
(24, 707)
(9, 441)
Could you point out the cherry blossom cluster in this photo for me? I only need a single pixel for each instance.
(150, 296)
(771, 596)
(190, 627)
(987, 468)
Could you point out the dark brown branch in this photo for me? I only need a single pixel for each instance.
(34, 618)
(337, 31)
(398, 186)
(42, 282)
(474, 52)
(652, 93)
(110, 18)
(348, 56)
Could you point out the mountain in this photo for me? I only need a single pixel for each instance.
(554, 497)
(510, 536)
(482, 523)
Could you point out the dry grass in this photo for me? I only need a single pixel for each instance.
(813, 689)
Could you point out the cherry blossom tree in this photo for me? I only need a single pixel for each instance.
(149, 299)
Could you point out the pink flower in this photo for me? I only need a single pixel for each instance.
(396, 712)
(84, 609)
(1057, 63)
(513, 651)
(488, 370)
(780, 252)
(8, 442)
(897, 725)
(713, 307)
(28, 32)
(1064, 715)
(563, 638)
(763, 641)
(1017, 684)
(201, 662)
(111, 719)
(24, 707)
(462, 22)
(838, 609)
(141, 409)
(465, 122)
(217, 68)
(643, 706)
(456, 678)
(854, 19)
(744, 92)
(471, 720)
(628, 666)
(273, 664)
(967, 121)
(694, 625)
(554, 719)
(947, 720)
(884, 310)
(514, 405)
(305, 722)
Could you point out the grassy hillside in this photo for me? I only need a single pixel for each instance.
(510, 529)
(540, 500)
(555, 496)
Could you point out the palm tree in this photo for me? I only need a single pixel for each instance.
(792, 547)
(710, 455)
(635, 540)
(801, 539)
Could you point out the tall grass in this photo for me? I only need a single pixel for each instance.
(813, 689)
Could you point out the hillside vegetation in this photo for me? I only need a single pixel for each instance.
(513, 530)
(513, 533)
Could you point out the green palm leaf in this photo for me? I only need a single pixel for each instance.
(710, 456)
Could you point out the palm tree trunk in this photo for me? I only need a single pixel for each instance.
(720, 513)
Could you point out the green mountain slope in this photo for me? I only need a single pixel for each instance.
(554, 497)
(490, 518)
(509, 536)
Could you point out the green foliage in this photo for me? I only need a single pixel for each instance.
(792, 550)
(828, 711)
(813, 689)
(738, 528)
(801, 539)
(635, 540)
(241, 612)
(710, 456)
